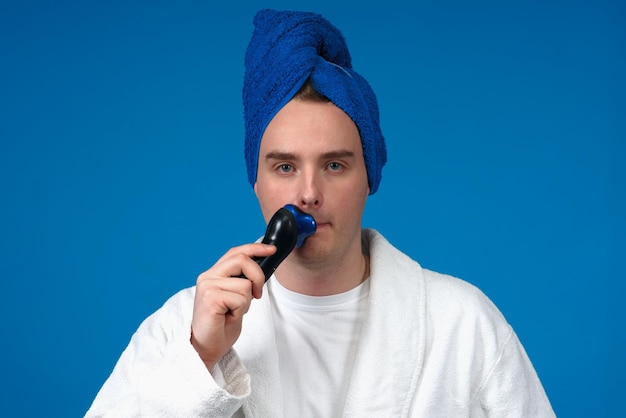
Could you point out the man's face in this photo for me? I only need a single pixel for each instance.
(311, 156)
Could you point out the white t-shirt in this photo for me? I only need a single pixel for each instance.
(317, 338)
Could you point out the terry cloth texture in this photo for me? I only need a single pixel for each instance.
(285, 50)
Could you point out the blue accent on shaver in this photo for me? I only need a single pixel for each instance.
(305, 223)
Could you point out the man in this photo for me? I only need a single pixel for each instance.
(348, 325)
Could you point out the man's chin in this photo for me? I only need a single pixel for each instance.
(313, 253)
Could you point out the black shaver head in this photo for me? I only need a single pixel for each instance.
(288, 229)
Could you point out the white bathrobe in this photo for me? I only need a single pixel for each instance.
(431, 346)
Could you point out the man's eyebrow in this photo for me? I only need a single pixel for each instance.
(344, 153)
(280, 155)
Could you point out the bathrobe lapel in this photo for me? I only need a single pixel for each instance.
(390, 354)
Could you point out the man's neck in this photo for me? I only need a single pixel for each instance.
(328, 279)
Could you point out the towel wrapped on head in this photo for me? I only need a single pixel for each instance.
(286, 50)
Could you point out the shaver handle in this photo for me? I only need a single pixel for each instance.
(289, 228)
(282, 232)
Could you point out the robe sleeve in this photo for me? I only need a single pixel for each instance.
(160, 373)
(512, 387)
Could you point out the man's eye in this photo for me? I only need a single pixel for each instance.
(334, 166)
(284, 168)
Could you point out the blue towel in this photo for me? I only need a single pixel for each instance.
(285, 50)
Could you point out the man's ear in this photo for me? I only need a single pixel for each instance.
(255, 190)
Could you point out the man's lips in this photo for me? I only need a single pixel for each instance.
(321, 226)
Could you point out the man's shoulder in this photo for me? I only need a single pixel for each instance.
(441, 292)
(452, 299)
(451, 286)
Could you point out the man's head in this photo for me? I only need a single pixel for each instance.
(311, 156)
(289, 50)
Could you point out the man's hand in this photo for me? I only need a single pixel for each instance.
(222, 299)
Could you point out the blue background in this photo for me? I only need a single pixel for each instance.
(122, 174)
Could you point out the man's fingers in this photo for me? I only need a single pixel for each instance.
(230, 302)
(239, 261)
(251, 250)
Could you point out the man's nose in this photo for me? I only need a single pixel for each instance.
(310, 191)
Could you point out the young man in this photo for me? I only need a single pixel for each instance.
(348, 325)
